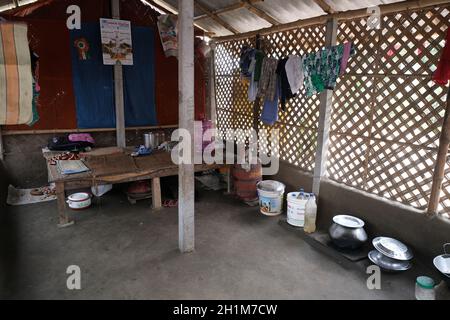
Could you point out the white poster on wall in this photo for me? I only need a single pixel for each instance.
(116, 41)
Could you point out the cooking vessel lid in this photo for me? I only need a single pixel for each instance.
(392, 248)
(348, 221)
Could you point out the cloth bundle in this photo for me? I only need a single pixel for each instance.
(16, 80)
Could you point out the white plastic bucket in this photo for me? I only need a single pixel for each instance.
(270, 194)
(295, 210)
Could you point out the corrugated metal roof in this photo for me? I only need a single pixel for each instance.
(284, 11)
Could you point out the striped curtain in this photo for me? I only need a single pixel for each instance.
(16, 81)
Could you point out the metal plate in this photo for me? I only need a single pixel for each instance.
(387, 263)
(348, 221)
(442, 263)
(392, 248)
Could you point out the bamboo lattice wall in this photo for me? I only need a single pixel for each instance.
(386, 113)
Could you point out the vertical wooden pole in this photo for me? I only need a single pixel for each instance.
(212, 86)
(257, 103)
(118, 88)
(441, 159)
(186, 121)
(324, 117)
(1, 145)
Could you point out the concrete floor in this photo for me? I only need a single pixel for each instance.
(130, 252)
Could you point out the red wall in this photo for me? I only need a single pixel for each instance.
(49, 38)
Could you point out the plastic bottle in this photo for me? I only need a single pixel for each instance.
(301, 194)
(310, 214)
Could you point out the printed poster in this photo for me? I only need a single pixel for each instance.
(116, 41)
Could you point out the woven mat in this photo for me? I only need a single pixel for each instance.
(156, 161)
(111, 164)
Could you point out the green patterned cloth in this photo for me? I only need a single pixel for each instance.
(321, 69)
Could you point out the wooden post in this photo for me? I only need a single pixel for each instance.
(1, 145)
(156, 193)
(186, 121)
(118, 88)
(324, 117)
(257, 103)
(439, 169)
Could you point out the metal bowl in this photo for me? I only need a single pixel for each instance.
(387, 263)
(392, 248)
(442, 263)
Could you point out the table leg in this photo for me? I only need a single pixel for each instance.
(156, 193)
(63, 218)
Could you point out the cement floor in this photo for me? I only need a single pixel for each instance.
(130, 252)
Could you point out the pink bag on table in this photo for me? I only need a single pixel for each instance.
(85, 137)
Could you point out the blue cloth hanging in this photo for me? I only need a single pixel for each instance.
(92, 81)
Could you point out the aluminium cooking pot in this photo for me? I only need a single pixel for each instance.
(347, 232)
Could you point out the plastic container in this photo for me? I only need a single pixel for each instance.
(270, 193)
(310, 215)
(295, 209)
(425, 288)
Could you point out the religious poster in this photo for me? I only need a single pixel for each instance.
(116, 41)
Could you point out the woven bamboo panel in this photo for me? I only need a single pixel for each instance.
(297, 125)
(387, 114)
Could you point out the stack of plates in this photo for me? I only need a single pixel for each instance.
(390, 254)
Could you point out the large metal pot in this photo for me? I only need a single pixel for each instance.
(347, 232)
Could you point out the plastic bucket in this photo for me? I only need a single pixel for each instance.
(270, 195)
(295, 210)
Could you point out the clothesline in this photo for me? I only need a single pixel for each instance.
(278, 80)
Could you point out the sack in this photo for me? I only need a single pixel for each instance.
(64, 144)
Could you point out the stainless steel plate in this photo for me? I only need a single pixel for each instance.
(348, 221)
(442, 263)
(392, 248)
(387, 263)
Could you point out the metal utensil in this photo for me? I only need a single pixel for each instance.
(348, 221)
(392, 248)
(442, 262)
(347, 232)
(387, 263)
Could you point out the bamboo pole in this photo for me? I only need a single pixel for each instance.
(52, 131)
(441, 160)
(345, 15)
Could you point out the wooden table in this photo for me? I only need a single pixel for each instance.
(149, 167)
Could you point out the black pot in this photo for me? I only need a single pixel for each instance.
(347, 237)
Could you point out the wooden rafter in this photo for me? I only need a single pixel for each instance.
(260, 13)
(343, 15)
(236, 6)
(325, 6)
(215, 17)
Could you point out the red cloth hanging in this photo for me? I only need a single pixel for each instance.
(442, 73)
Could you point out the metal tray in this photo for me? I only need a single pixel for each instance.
(392, 248)
(387, 263)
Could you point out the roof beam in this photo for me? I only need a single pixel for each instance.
(260, 13)
(344, 15)
(236, 6)
(325, 6)
(215, 17)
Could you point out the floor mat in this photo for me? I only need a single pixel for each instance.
(18, 197)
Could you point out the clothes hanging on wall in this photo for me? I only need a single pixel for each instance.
(36, 88)
(294, 73)
(442, 73)
(285, 91)
(16, 80)
(322, 69)
(267, 85)
(269, 114)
